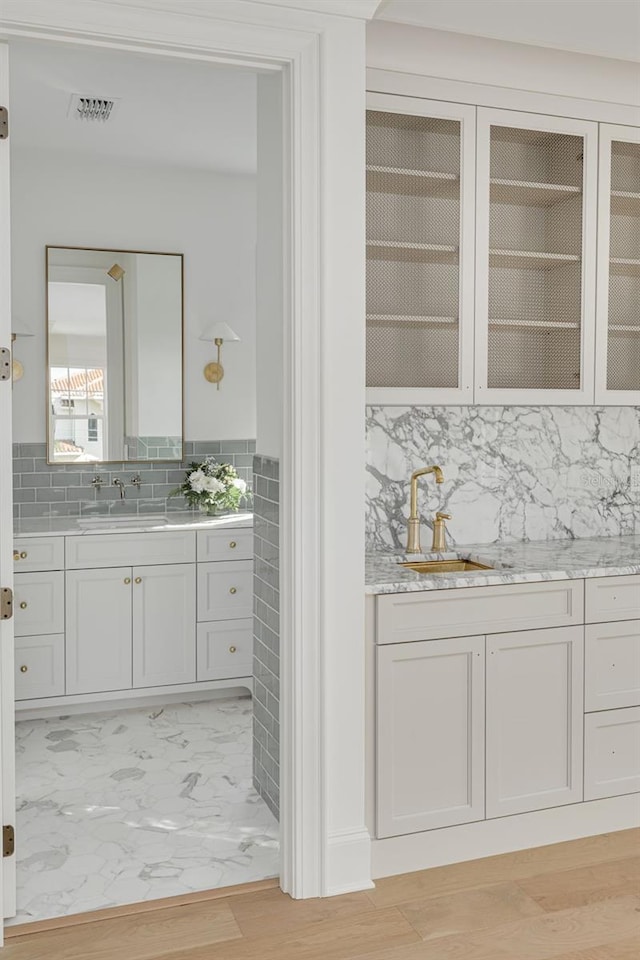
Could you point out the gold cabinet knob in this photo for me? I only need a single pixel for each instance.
(232, 649)
(23, 605)
(233, 544)
(23, 668)
(127, 580)
(233, 590)
(138, 580)
(23, 555)
(16, 554)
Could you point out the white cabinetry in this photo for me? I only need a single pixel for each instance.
(618, 308)
(164, 625)
(430, 731)
(98, 636)
(534, 720)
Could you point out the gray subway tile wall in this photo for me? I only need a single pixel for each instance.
(65, 490)
(266, 630)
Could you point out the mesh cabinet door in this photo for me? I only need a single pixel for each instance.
(618, 308)
(419, 258)
(536, 212)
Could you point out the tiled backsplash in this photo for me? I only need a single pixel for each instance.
(65, 490)
(511, 473)
(266, 627)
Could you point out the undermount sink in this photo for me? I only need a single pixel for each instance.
(98, 523)
(444, 566)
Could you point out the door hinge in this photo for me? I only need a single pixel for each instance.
(8, 840)
(5, 363)
(6, 603)
(4, 123)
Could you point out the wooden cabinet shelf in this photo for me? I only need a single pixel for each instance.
(418, 252)
(530, 259)
(527, 193)
(389, 318)
(534, 324)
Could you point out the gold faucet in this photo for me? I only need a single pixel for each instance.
(439, 543)
(413, 540)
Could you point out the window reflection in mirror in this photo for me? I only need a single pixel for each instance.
(114, 356)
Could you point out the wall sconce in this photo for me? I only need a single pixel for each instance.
(217, 333)
(20, 330)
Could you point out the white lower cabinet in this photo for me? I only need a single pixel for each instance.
(39, 667)
(164, 625)
(611, 753)
(534, 755)
(430, 732)
(225, 649)
(99, 638)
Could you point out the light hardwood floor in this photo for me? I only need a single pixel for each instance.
(570, 901)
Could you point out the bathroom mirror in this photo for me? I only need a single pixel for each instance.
(114, 355)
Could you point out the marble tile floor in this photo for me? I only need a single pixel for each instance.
(137, 804)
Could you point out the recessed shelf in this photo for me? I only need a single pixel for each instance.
(531, 260)
(534, 324)
(625, 266)
(386, 318)
(625, 202)
(530, 194)
(420, 252)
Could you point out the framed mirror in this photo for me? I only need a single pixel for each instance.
(114, 355)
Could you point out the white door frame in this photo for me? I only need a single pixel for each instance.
(325, 843)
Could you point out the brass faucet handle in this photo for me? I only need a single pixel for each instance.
(443, 516)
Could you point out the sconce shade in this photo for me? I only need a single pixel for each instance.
(218, 331)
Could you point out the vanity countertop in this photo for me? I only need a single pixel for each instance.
(173, 520)
(516, 563)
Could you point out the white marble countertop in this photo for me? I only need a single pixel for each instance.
(154, 523)
(513, 563)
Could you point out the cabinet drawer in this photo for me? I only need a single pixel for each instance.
(225, 590)
(612, 598)
(612, 753)
(225, 544)
(471, 610)
(225, 649)
(39, 667)
(130, 549)
(612, 665)
(38, 553)
(38, 603)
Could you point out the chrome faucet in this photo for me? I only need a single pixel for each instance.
(413, 539)
(120, 485)
(136, 481)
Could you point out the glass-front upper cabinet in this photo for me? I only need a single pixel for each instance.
(535, 258)
(420, 203)
(618, 304)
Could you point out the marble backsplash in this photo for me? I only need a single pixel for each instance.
(511, 473)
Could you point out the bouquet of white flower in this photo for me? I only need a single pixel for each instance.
(213, 487)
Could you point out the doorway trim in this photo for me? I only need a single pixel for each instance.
(325, 841)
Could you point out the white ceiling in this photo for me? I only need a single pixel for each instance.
(170, 112)
(606, 28)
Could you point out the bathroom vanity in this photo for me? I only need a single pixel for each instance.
(106, 611)
(503, 704)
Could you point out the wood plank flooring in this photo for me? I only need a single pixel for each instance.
(570, 901)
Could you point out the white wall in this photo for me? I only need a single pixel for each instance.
(210, 218)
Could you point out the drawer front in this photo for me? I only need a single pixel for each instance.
(225, 649)
(225, 590)
(612, 598)
(612, 665)
(39, 667)
(468, 611)
(130, 549)
(611, 753)
(38, 603)
(225, 544)
(38, 553)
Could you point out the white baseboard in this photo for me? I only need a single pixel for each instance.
(470, 841)
(130, 699)
(348, 863)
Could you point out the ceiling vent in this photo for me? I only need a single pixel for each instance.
(91, 108)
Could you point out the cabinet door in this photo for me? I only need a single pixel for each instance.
(164, 625)
(534, 719)
(420, 211)
(430, 735)
(535, 258)
(618, 304)
(612, 753)
(98, 636)
(38, 603)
